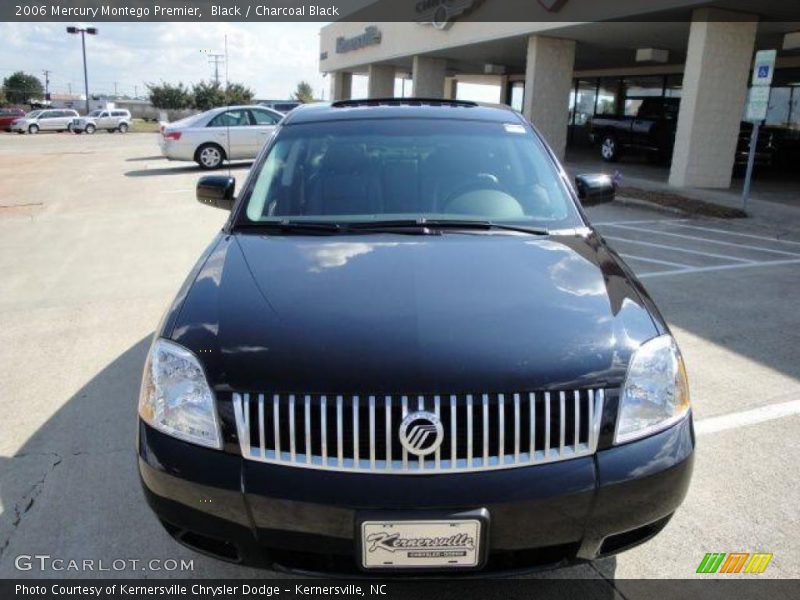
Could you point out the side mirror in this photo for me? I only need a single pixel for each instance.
(595, 188)
(217, 191)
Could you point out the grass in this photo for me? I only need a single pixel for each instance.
(142, 126)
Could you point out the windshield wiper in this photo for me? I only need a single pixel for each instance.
(421, 226)
(289, 225)
(333, 227)
(444, 224)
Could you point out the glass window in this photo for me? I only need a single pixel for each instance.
(607, 96)
(368, 170)
(780, 103)
(264, 117)
(584, 101)
(517, 94)
(794, 114)
(639, 88)
(674, 86)
(231, 118)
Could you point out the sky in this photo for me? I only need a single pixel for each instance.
(269, 58)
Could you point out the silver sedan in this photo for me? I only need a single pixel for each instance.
(220, 134)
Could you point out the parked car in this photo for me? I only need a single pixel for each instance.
(282, 106)
(652, 132)
(409, 336)
(8, 116)
(45, 120)
(220, 134)
(111, 120)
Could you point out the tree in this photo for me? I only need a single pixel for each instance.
(237, 93)
(304, 93)
(21, 88)
(207, 95)
(169, 97)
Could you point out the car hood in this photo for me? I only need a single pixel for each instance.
(426, 314)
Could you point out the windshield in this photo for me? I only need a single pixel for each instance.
(95, 113)
(33, 114)
(382, 169)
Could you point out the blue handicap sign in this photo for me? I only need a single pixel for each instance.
(763, 71)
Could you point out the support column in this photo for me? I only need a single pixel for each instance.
(381, 81)
(714, 92)
(451, 88)
(548, 82)
(341, 85)
(428, 77)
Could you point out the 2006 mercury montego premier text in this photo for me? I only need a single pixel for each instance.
(408, 351)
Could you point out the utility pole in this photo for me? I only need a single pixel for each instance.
(135, 91)
(216, 59)
(115, 89)
(46, 84)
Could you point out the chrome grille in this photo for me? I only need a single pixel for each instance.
(360, 433)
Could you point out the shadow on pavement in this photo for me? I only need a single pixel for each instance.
(144, 158)
(185, 169)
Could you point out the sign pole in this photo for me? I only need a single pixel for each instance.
(751, 159)
(757, 108)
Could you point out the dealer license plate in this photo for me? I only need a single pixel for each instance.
(453, 543)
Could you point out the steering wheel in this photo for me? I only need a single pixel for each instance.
(481, 181)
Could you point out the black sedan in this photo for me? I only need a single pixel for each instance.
(408, 351)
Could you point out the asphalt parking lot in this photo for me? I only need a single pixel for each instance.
(97, 234)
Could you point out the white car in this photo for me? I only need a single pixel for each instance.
(111, 120)
(220, 134)
(45, 120)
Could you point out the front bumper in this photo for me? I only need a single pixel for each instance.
(294, 518)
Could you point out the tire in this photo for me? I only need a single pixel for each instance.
(123, 128)
(209, 156)
(33, 129)
(609, 148)
(90, 129)
(69, 128)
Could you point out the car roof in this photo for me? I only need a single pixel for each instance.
(394, 108)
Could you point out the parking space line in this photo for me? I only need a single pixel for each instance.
(708, 241)
(655, 261)
(715, 230)
(765, 263)
(685, 250)
(646, 222)
(747, 417)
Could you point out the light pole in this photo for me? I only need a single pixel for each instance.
(83, 31)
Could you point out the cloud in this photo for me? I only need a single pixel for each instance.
(270, 58)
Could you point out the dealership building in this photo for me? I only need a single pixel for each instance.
(561, 73)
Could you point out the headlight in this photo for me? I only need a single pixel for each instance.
(656, 392)
(175, 396)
